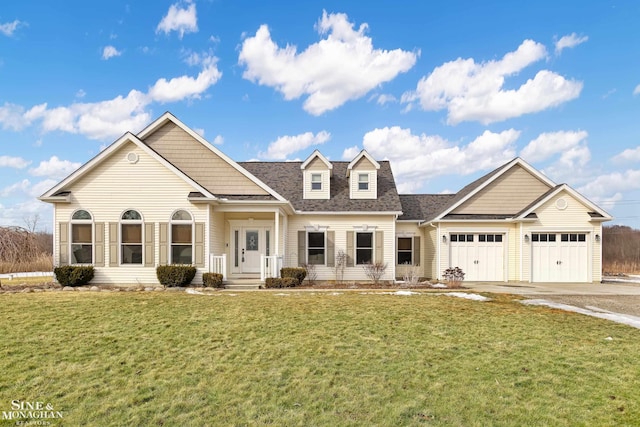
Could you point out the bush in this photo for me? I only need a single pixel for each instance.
(212, 280)
(280, 282)
(375, 271)
(175, 275)
(73, 275)
(297, 273)
(455, 276)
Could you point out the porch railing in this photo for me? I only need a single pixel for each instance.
(270, 266)
(218, 264)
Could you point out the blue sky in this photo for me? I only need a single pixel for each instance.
(445, 90)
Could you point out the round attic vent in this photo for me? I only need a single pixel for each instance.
(561, 204)
(132, 157)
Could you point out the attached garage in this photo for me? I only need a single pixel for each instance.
(560, 257)
(479, 255)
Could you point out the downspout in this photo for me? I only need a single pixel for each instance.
(395, 248)
(437, 250)
(521, 252)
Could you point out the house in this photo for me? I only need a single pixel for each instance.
(167, 196)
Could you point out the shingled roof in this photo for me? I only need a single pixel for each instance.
(423, 207)
(286, 179)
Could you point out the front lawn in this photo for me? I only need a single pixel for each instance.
(325, 359)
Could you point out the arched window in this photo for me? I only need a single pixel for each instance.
(181, 237)
(131, 237)
(81, 237)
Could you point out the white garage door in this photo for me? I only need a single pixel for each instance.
(479, 255)
(559, 257)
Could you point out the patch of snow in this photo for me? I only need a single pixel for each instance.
(609, 339)
(625, 319)
(282, 295)
(11, 276)
(194, 292)
(439, 285)
(405, 293)
(631, 278)
(335, 293)
(474, 297)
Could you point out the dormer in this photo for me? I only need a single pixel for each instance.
(316, 176)
(363, 176)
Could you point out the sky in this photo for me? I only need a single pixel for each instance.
(445, 90)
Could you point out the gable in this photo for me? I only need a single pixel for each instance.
(511, 192)
(564, 210)
(200, 163)
(132, 183)
(316, 165)
(364, 164)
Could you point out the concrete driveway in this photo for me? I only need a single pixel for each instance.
(550, 289)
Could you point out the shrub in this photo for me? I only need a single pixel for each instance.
(297, 273)
(175, 275)
(73, 275)
(280, 282)
(411, 276)
(212, 280)
(454, 275)
(312, 274)
(375, 271)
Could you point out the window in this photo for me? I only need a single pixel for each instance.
(364, 248)
(363, 181)
(461, 237)
(405, 250)
(315, 248)
(81, 238)
(181, 238)
(316, 181)
(131, 237)
(492, 238)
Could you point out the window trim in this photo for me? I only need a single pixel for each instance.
(73, 222)
(411, 251)
(356, 247)
(324, 246)
(318, 182)
(120, 244)
(173, 222)
(360, 182)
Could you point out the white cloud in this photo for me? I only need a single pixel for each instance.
(186, 87)
(13, 162)
(607, 186)
(636, 90)
(569, 41)
(350, 153)
(385, 98)
(110, 52)
(81, 93)
(218, 140)
(39, 188)
(341, 67)
(111, 118)
(20, 212)
(285, 145)
(628, 155)
(417, 158)
(9, 28)
(54, 168)
(472, 91)
(21, 187)
(180, 19)
(549, 143)
(199, 131)
(571, 166)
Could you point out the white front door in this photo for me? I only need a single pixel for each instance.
(248, 244)
(479, 255)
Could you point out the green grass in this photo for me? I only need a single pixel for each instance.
(314, 360)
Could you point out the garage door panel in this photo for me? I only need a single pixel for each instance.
(559, 257)
(480, 256)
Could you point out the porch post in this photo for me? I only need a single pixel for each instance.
(277, 233)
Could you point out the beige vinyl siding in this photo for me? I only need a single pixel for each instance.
(363, 166)
(430, 252)
(217, 233)
(410, 230)
(199, 162)
(146, 186)
(574, 218)
(340, 225)
(316, 166)
(508, 194)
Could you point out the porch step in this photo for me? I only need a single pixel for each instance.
(243, 284)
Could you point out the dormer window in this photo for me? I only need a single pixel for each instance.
(316, 181)
(363, 181)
